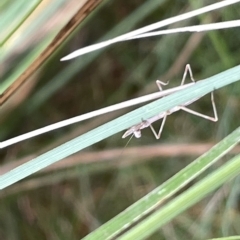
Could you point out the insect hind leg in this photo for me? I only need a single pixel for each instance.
(213, 119)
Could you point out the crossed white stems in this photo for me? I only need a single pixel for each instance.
(136, 129)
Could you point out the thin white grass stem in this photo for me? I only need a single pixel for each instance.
(196, 28)
(149, 28)
(95, 113)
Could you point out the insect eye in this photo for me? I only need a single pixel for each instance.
(137, 134)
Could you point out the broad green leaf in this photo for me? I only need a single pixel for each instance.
(199, 89)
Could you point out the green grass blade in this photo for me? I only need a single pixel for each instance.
(13, 16)
(174, 184)
(194, 194)
(199, 89)
(24, 64)
(26, 57)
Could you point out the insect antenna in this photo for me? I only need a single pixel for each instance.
(126, 145)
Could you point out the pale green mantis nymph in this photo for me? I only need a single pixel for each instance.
(136, 129)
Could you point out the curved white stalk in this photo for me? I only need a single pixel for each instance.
(149, 28)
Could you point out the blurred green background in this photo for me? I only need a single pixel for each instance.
(75, 196)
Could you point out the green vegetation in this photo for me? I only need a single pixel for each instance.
(108, 189)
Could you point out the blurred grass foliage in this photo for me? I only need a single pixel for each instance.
(24, 37)
(13, 14)
(72, 202)
(28, 43)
